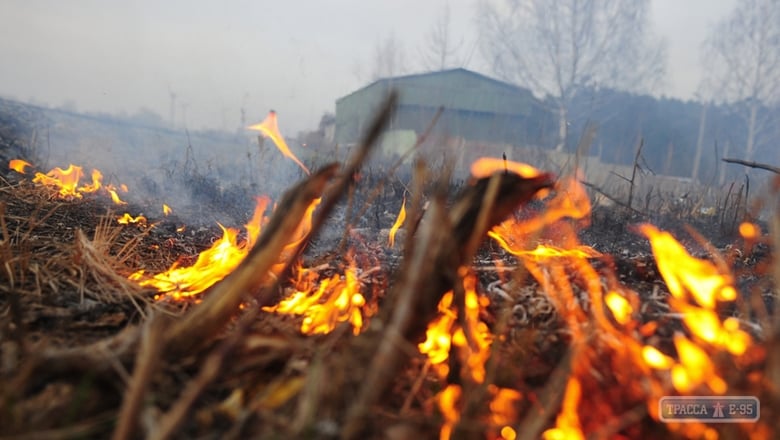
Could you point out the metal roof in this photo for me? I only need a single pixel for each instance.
(456, 89)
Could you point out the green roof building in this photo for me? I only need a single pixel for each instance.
(477, 109)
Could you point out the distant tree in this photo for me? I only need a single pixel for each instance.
(389, 58)
(557, 48)
(147, 117)
(440, 51)
(742, 62)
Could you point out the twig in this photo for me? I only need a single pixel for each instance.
(146, 362)
(616, 201)
(633, 171)
(751, 164)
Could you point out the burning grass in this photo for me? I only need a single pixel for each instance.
(499, 322)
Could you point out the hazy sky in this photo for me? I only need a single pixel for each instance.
(294, 56)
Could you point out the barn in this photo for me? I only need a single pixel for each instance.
(479, 111)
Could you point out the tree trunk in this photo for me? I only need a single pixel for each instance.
(699, 144)
(751, 134)
(563, 128)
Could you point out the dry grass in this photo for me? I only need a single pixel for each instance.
(87, 353)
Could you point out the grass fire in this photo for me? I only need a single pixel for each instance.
(491, 308)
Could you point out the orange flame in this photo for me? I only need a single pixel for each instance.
(567, 425)
(127, 219)
(749, 231)
(270, 128)
(447, 401)
(167, 210)
(620, 307)
(67, 181)
(487, 166)
(212, 265)
(18, 165)
(336, 300)
(703, 281)
(398, 222)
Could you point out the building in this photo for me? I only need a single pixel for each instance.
(479, 112)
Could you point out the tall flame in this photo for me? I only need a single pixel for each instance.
(398, 222)
(270, 128)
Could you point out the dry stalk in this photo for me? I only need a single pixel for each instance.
(146, 362)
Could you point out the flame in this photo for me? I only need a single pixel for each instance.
(337, 299)
(211, 265)
(270, 128)
(686, 275)
(398, 222)
(447, 401)
(570, 201)
(620, 307)
(167, 210)
(67, 181)
(127, 219)
(749, 231)
(695, 368)
(503, 410)
(472, 346)
(487, 166)
(18, 165)
(567, 425)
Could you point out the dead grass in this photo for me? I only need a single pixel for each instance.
(87, 353)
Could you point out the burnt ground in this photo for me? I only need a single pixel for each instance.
(54, 296)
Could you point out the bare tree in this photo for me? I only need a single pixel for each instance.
(742, 61)
(389, 58)
(556, 48)
(440, 51)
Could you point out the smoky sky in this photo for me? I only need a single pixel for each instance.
(296, 56)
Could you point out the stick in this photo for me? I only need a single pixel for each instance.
(145, 364)
(751, 164)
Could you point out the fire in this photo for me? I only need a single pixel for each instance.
(337, 299)
(472, 345)
(685, 275)
(270, 128)
(398, 222)
(211, 265)
(487, 166)
(127, 219)
(620, 307)
(448, 402)
(567, 425)
(688, 277)
(67, 181)
(749, 231)
(19, 165)
(166, 209)
(570, 201)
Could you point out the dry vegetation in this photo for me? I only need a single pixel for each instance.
(88, 353)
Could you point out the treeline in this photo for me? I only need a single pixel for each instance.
(671, 130)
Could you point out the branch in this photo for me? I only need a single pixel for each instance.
(747, 163)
